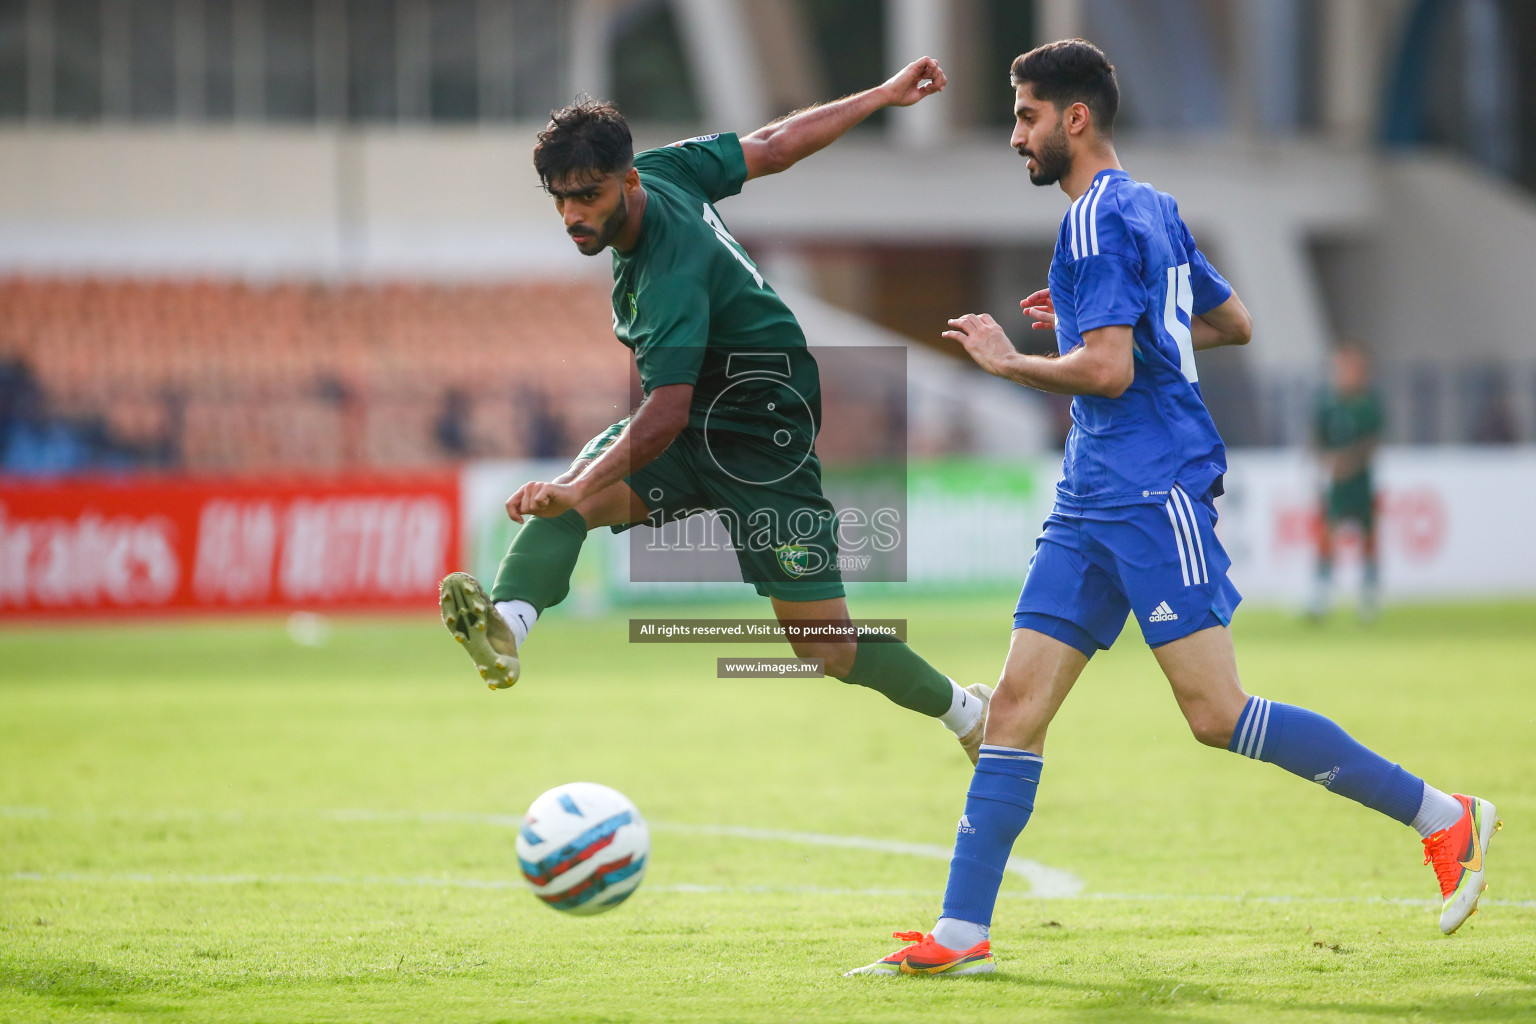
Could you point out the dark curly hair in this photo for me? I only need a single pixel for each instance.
(1071, 71)
(582, 142)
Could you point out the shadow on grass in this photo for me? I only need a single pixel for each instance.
(82, 984)
(1163, 999)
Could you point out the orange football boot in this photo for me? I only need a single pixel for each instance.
(1458, 854)
(926, 956)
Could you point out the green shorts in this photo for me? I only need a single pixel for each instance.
(1351, 500)
(784, 530)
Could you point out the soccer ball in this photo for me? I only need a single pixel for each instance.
(583, 848)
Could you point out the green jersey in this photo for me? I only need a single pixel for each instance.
(1345, 420)
(696, 310)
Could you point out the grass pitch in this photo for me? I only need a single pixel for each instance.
(207, 822)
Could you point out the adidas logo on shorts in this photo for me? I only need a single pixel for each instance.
(1162, 613)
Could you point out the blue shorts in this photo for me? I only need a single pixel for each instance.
(1162, 562)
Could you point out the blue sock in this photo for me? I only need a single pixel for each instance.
(997, 808)
(1307, 744)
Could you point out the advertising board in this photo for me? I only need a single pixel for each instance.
(147, 544)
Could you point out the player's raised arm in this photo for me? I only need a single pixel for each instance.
(778, 146)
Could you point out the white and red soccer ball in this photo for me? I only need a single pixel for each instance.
(583, 848)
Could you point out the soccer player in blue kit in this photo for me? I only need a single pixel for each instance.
(1132, 300)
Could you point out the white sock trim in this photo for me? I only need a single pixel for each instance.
(965, 710)
(1436, 811)
(519, 617)
(953, 933)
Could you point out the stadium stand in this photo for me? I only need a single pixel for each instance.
(223, 375)
(232, 376)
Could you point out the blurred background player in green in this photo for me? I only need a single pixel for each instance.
(1346, 431)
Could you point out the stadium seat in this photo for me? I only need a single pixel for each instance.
(315, 375)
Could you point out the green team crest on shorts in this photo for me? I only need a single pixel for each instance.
(794, 559)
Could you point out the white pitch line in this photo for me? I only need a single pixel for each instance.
(427, 882)
(1045, 882)
(149, 878)
(423, 882)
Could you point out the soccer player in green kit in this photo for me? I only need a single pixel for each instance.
(732, 397)
(1346, 431)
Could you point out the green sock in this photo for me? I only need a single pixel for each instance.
(894, 669)
(538, 566)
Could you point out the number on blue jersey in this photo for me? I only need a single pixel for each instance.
(1180, 298)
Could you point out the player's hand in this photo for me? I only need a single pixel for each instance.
(984, 341)
(550, 500)
(521, 502)
(923, 77)
(1039, 305)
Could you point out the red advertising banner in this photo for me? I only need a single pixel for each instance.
(148, 544)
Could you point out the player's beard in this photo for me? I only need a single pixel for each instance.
(605, 234)
(1053, 159)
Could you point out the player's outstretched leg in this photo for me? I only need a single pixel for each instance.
(901, 674)
(1455, 829)
(1202, 668)
(534, 575)
(469, 615)
(890, 667)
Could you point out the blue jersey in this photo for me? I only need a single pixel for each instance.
(1124, 257)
